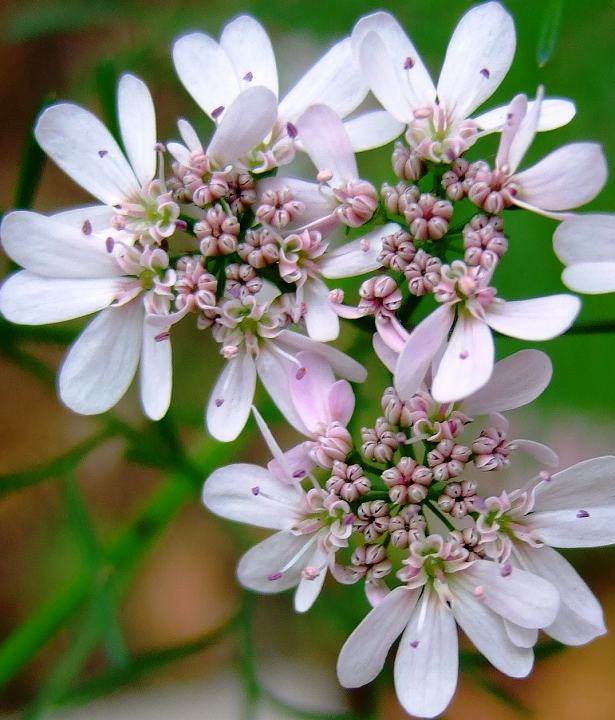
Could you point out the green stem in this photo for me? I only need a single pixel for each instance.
(436, 511)
(601, 326)
(251, 684)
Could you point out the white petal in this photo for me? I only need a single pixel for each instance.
(372, 130)
(100, 217)
(591, 481)
(321, 321)
(82, 146)
(535, 319)
(567, 178)
(363, 654)
(267, 560)
(156, 374)
(426, 665)
(244, 125)
(477, 59)
(384, 51)
(252, 495)
(335, 80)
(586, 238)
(102, 362)
(51, 247)
(179, 152)
(521, 637)
(424, 342)
(30, 299)
(538, 451)
(467, 362)
(324, 139)
(343, 365)
(521, 597)
(249, 48)
(486, 630)
(309, 389)
(206, 71)
(591, 278)
(357, 256)
(580, 618)
(554, 113)
(526, 133)
(585, 526)
(309, 588)
(137, 120)
(516, 381)
(231, 398)
(189, 135)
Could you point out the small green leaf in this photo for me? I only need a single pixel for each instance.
(549, 31)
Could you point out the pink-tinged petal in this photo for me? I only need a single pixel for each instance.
(137, 120)
(538, 451)
(591, 278)
(52, 247)
(586, 239)
(252, 495)
(30, 299)
(516, 381)
(373, 130)
(309, 586)
(520, 636)
(514, 117)
(357, 256)
(364, 652)
(477, 59)
(179, 152)
(585, 526)
(392, 66)
(335, 80)
(264, 567)
(229, 404)
(85, 150)
(424, 342)
(427, 660)
(535, 319)
(387, 356)
(189, 135)
(156, 373)
(248, 46)
(521, 597)
(206, 72)
(567, 178)
(244, 125)
(324, 139)
(591, 481)
(102, 362)
(376, 591)
(292, 465)
(319, 203)
(467, 362)
(321, 321)
(343, 365)
(341, 402)
(526, 133)
(486, 630)
(554, 113)
(309, 386)
(580, 617)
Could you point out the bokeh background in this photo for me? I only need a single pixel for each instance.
(117, 590)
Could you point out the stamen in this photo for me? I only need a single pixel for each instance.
(408, 63)
(102, 153)
(479, 592)
(86, 228)
(582, 514)
(109, 244)
(324, 176)
(506, 570)
(364, 245)
(274, 576)
(219, 402)
(299, 473)
(291, 130)
(162, 336)
(485, 73)
(300, 374)
(414, 644)
(217, 112)
(310, 573)
(248, 77)
(255, 490)
(464, 355)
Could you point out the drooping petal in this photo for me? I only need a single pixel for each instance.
(591, 278)
(364, 652)
(372, 130)
(417, 354)
(580, 617)
(189, 135)
(516, 381)
(309, 586)
(250, 494)
(293, 464)
(535, 319)
(341, 402)
(567, 178)
(514, 117)
(426, 664)
(477, 59)
(526, 133)
(51, 247)
(102, 362)
(387, 356)
(229, 404)
(392, 66)
(357, 256)
(85, 150)
(247, 44)
(156, 374)
(206, 72)
(554, 113)
(137, 120)
(585, 239)
(275, 564)
(321, 321)
(244, 125)
(30, 299)
(335, 80)
(467, 362)
(309, 389)
(520, 636)
(324, 139)
(538, 451)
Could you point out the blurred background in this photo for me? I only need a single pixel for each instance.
(117, 589)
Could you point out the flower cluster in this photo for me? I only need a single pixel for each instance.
(427, 507)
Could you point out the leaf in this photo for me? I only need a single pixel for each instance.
(549, 31)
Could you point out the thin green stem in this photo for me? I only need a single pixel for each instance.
(592, 328)
(436, 511)
(251, 684)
